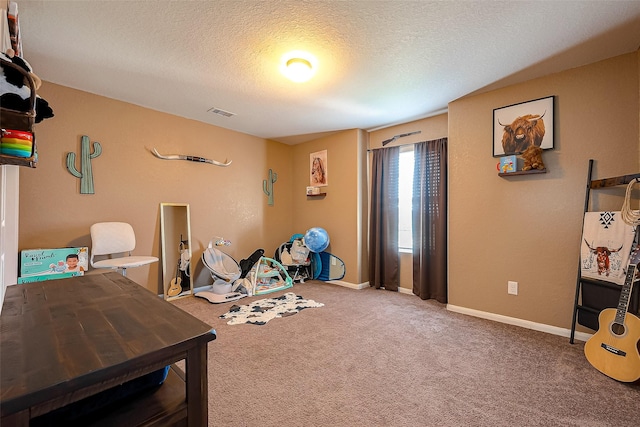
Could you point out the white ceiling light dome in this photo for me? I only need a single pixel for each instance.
(298, 66)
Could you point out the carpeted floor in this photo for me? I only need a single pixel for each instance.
(379, 358)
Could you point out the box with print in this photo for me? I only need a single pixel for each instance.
(36, 262)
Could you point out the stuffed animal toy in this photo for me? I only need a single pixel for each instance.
(15, 91)
(532, 158)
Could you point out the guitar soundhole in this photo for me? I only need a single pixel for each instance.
(617, 329)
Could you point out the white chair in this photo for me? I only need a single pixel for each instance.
(111, 239)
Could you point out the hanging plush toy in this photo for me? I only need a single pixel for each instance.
(14, 88)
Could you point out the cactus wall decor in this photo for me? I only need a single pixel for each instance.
(86, 174)
(267, 185)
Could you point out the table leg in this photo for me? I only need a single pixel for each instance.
(197, 386)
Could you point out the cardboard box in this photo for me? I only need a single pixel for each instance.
(51, 262)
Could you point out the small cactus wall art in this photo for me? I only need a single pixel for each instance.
(267, 185)
(86, 171)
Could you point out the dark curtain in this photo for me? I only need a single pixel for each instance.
(430, 220)
(384, 259)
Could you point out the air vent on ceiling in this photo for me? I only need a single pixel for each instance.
(220, 112)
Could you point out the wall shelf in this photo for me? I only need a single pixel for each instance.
(21, 161)
(529, 172)
(317, 195)
(20, 120)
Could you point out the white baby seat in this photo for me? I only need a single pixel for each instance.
(222, 266)
(225, 272)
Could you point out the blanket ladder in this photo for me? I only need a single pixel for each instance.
(604, 294)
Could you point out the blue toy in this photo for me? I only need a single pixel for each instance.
(316, 239)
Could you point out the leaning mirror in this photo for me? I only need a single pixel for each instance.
(175, 233)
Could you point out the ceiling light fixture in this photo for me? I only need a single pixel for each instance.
(298, 66)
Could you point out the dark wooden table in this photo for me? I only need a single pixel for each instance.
(67, 339)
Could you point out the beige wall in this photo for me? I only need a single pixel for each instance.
(340, 210)
(430, 128)
(528, 228)
(519, 228)
(130, 182)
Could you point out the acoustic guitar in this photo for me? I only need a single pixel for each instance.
(176, 283)
(614, 349)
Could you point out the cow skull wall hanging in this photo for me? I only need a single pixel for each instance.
(190, 158)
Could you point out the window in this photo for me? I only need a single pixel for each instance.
(405, 195)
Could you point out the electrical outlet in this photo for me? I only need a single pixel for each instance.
(512, 287)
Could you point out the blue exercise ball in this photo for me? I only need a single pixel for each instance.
(316, 239)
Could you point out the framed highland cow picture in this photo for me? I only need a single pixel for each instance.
(517, 127)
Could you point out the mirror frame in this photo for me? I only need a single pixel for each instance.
(173, 226)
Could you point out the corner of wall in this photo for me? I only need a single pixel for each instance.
(363, 206)
(9, 202)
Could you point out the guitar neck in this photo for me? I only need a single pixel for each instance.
(625, 294)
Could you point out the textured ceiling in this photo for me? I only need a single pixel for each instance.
(380, 62)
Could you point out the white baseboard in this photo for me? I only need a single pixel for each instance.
(366, 285)
(582, 336)
(349, 284)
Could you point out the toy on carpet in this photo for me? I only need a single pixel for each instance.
(302, 263)
(225, 273)
(316, 239)
(231, 280)
(15, 88)
(268, 275)
(532, 157)
(296, 258)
